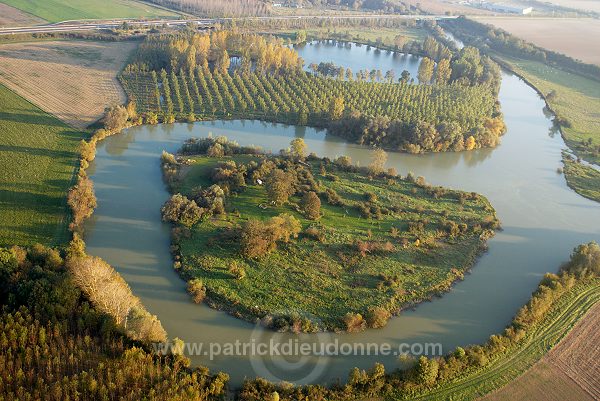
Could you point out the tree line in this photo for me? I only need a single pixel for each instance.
(454, 107)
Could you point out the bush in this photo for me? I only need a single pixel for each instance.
(333, 198)
(196, 289)
(378, 317)
(179, 209)
(237, 271)
(82, 201)
(311, 206)
(259, 238)
(279, 186)
(354, 322)
(115, 118)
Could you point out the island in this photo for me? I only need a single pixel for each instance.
(306, 244)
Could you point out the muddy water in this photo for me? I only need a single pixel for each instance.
(542, 220)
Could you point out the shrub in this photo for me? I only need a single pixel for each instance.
(354, 322)
(377, 317)
(333, 198)
(197, 290)
(259, 238)
(314, 233)
(311, 206)
(82, 201)
(237, 271)
(115, 118)
(279, 186)
(179, 209)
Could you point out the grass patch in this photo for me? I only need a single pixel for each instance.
(583, 179)
(38, 154)
(61, 10)
(322, 280)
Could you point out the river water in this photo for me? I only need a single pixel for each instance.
(542, 221)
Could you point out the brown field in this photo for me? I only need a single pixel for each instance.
(570, 371)
(10, 16)
(441, 6)
(575, 37)
(585, 5)
(74, 80)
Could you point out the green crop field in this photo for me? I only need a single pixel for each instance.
(38, 154)
(62, 10)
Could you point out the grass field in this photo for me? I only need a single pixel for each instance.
(38, 156)
(584, 179)
(10, 16)
(73, 80)
(62, 10)
(329, 278)
(577, 38)
(563, 316)
(570, 371)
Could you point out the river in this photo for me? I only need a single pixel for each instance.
(542, 221)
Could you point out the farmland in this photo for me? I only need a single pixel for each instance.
(10, 16)
(569, 371)
(62, 10)
(578, 38)
(73, 80)
(514, 361)
(38, 156)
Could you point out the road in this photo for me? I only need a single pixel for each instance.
(72, 26)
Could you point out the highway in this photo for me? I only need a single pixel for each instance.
(73, 26)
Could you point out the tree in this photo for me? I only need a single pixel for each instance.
(389, 76)
(336, 108)
(443, 72)
(301, 36)
(82, 201)
(405, 76)
(311, 205)
(279, 186)
(377, 317)
(427, 370)
(115, 118)
(378, 159)
(425, 70)
(179, 209)
(298, 148)
(470, 143)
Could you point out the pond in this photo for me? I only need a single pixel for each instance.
(542, 221)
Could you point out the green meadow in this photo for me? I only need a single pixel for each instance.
(62, 10)
(38, 155)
